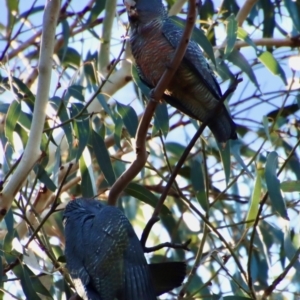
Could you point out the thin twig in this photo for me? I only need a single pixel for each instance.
(95, 94)
(53, 207)
(277, 280)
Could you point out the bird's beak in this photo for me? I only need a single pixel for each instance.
(130, 7)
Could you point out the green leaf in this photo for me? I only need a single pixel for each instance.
(56, 165)
(81, 128)
(197, 178)
(103, 158)
(118, 131)
(9, 222)
(238, 59)
(290, 186)
(175, 148)
(76, 91)
(273, 185)
(223, 70)
(4, 107)
(161, 120)
(36, 283)
(207, 10)
(44, 177)
(66, 36)
(198, 183)
(293, 8)
(59, 105)
(268, 60)
(69, 57)
(27, 95)
(13, 11)
(22, 273)
(254, 204)
(229, 7)
(11, 120)
(199, 37)
(88, 188)
(129, 117)
(89, 67)
(266, 127)
(235, 298)
(268, 18)
(13, 6)
(10, 235)
(62, 259)
(286, 111)
(98, 7)
(237, 278)
(63, 288)
(139, 192)
(194, 285)
(242, 34)
(289, 248)
(293, 162)
(102, 101)
(1, 270)
(225, 157)
(235, 147)
(231, 31)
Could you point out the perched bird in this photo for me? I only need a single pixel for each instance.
(193, 89)
(105, 258)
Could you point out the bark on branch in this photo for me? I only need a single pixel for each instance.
(32, 151)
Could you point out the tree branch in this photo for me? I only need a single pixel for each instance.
(104, 53)
(176, 7)
(32, 150)
(268, 42)
(244, 11)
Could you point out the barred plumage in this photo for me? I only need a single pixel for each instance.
(105, 257)
(193, 89)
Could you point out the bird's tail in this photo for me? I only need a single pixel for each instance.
(222, 127)
(167, 275)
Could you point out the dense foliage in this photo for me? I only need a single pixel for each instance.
(239, 205)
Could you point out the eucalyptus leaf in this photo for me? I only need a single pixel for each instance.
(273, 185)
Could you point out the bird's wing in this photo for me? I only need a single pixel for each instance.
(193, 57)
(95, 243)
(106, 241)
(167, 275)
(74, 251)
(138, 282)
